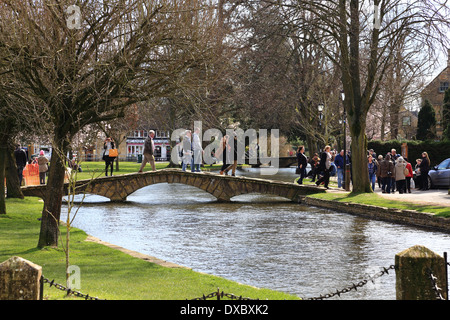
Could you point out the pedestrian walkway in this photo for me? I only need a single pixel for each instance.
(439, 197)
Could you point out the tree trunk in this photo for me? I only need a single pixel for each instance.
(360, 172)
(12, 179)
(2, 179)
(54, 193)
(311, 146)
(395, 116)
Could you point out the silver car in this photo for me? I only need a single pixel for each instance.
(439, 176)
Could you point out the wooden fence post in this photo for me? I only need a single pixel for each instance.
(20, 280)
(413, 267)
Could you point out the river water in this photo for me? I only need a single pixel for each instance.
(258, 240)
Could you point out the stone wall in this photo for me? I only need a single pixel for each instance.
(117, 188)
(407, 217)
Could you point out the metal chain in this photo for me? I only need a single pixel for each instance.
(220, 294)
(354, 286)
(68, 290)
(434, 285)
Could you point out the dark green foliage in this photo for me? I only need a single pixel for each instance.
(426, 124)
(446, 115)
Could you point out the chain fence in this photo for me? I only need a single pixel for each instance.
(218, 295)
(437, 290)
(66, 289)
(354, 286)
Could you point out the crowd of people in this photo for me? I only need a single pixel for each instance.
(395, 173)
(22, 160)
(191, 152)
(391, 173)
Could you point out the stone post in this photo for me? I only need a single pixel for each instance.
(413, 267)
(20, 280)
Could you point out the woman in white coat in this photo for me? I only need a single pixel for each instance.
(400, 177)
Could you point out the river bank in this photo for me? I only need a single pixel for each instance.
(133, 276)
(105, 271)
(424, 214)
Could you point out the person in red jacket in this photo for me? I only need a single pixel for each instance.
(409, 176)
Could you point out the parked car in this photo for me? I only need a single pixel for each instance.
(439, 176)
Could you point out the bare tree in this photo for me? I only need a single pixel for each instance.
(365, 34)
(86, 65)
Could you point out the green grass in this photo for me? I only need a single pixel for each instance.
(111, 274)
(377, 200)
(107, 273)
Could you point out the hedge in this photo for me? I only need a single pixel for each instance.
(437, 150)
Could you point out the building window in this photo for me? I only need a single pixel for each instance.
(443, 86)
(161, 134)
(406, 121)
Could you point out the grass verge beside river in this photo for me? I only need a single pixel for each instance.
(110, 274)
(107, 273)
(377, 200)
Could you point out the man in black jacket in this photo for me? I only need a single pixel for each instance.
(324, 166)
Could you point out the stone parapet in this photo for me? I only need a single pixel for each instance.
(406, 217)
(117, 188)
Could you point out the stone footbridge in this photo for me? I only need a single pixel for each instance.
(118, 188)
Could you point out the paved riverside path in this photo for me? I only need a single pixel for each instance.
(436, 197)
(223, 187)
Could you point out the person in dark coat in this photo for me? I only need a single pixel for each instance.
(324, 166)
(149, 151)
(302, 162)
(387, 171)
(424, 167)
(21, 161)
(315, 162)
(339, 163)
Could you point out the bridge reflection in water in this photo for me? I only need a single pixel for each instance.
(118, 188)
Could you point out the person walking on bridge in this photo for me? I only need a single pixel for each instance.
(109, 161)
(197, 151)
(149, 148)
(186, 149)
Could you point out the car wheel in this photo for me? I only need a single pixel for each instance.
(430, 183)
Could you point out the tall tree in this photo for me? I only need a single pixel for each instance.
(426, 122)
(446, 115)
(86, 63)
(364, 34)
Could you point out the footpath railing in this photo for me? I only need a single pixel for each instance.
(420, 275)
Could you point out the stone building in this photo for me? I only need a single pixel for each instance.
(434, 92)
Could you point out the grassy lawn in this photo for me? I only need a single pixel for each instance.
(110, 274)
(107, 273)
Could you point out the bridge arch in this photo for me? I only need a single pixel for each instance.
(223, 188)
